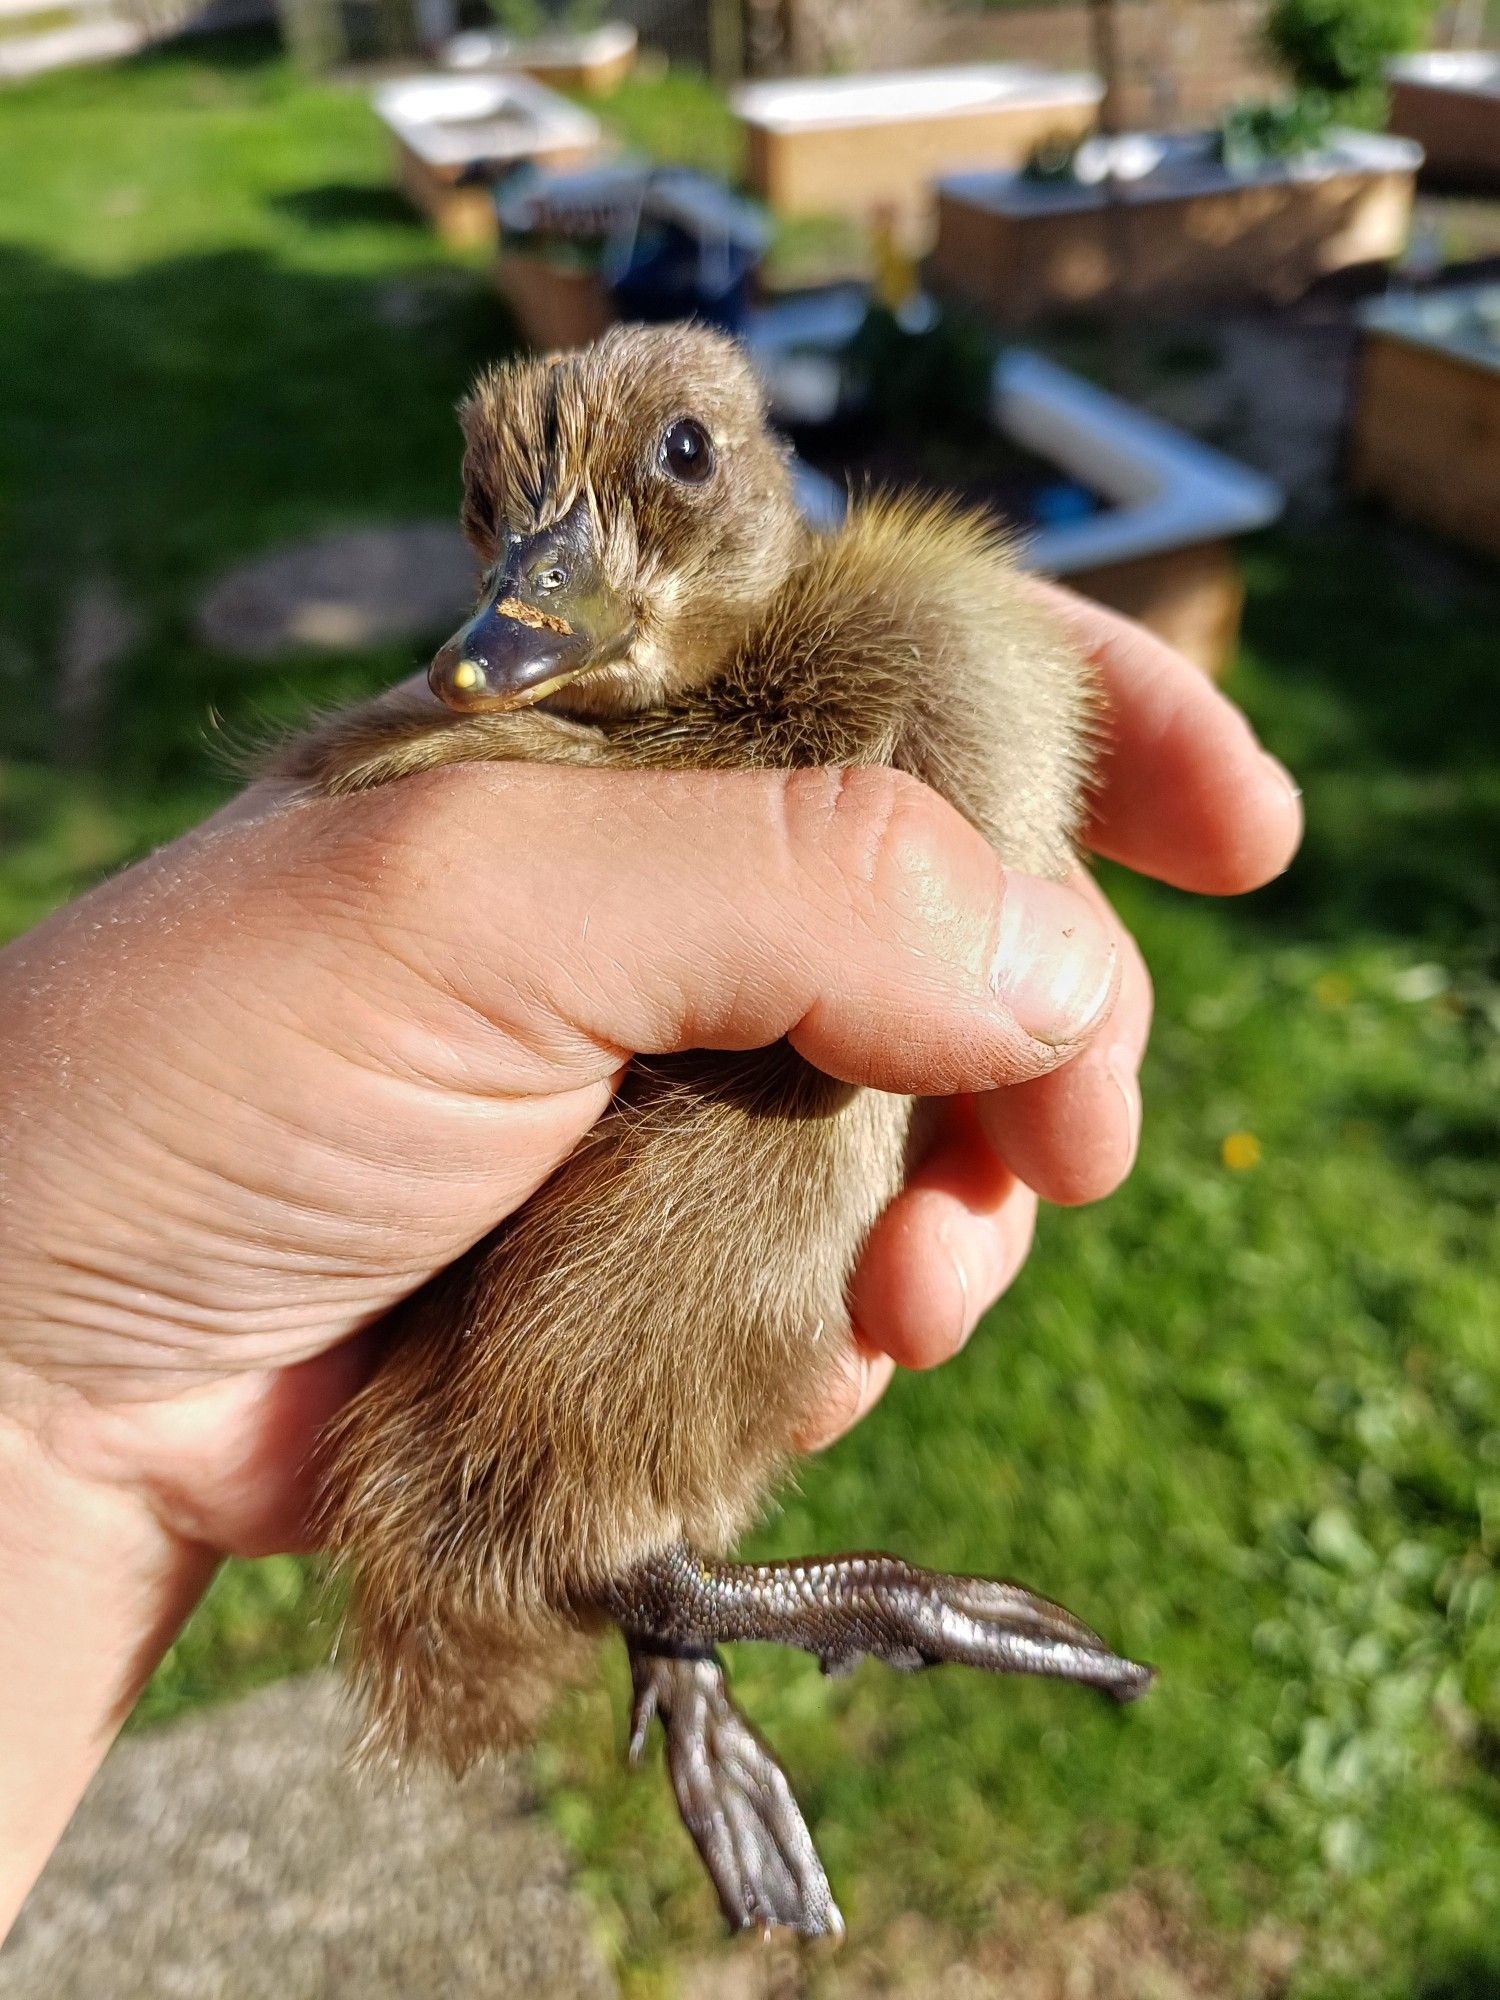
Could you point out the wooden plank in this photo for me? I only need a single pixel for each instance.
(1459, 130)
(1424, 438)
(1259, 241)
(854, 169)
(1191, 597)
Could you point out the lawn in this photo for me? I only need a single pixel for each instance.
(1246, 1416)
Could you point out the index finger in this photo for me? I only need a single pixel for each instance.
(1185, 792)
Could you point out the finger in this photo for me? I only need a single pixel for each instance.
(861, 1381)
(1072, 1136)
(944, 1250)
(1185, 792)
(853, 912)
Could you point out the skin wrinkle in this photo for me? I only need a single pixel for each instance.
(664, 978)
(148, 1294)
(197, 1195)
(191, 1194)
(177, 1093)
(700, 1017)
(448, 1067)
(173, 1336)
(517, 1026)
(303, 1168)
(519, 1023)
(90, 1310)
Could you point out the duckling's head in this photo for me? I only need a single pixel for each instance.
(632, 511)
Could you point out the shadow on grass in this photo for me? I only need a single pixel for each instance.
(1369, 667)
(161, 423)
(232, 49)
(1471, 1978)
(345, 205)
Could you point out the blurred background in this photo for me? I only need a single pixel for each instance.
(1205, 298)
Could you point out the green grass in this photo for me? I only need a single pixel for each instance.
(1248, 1421)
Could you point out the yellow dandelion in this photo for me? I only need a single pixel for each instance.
(1240, 1151)
(1332, 989)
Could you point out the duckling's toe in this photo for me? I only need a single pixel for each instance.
(733, 1797)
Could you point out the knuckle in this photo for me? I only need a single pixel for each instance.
(876, 830)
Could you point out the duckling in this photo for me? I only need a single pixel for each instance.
(576, 1420)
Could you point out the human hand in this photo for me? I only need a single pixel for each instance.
(261, 1086)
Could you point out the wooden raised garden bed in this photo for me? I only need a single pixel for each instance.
(850, 145)
(454, 135)
(593, 61)
(1185, 231)
(1448, 101)
(1425, 431)
(624, 239)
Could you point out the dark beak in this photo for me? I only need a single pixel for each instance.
(548, 618)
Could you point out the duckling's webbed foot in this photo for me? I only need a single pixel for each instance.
(848, 1608)
(733, 1796)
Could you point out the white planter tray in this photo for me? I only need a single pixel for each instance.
(822, 103)
(453, 120)
(1164, 490)
(590, 48)
(1473, 72)
(1180, 166)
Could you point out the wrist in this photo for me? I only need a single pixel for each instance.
(93, 1589)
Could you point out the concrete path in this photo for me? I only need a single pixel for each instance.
(234, 1857)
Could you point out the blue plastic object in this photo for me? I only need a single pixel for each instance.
(1062, 504)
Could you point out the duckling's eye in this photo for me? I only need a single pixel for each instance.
(687, 452)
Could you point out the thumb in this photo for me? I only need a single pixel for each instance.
(642, 912)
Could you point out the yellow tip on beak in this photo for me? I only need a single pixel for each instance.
(466, 675)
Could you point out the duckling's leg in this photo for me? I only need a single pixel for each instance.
(733, 1796)
(848, 1608)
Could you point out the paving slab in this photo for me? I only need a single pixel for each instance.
(234, 1856)
(341, 592)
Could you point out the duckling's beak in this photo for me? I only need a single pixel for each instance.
(548, 618)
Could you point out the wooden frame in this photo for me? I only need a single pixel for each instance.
(1424, 434)
(555, 305)
(852, 145)
(455, 133)
(1189, 233)
(593, 61)
(1448, 101)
